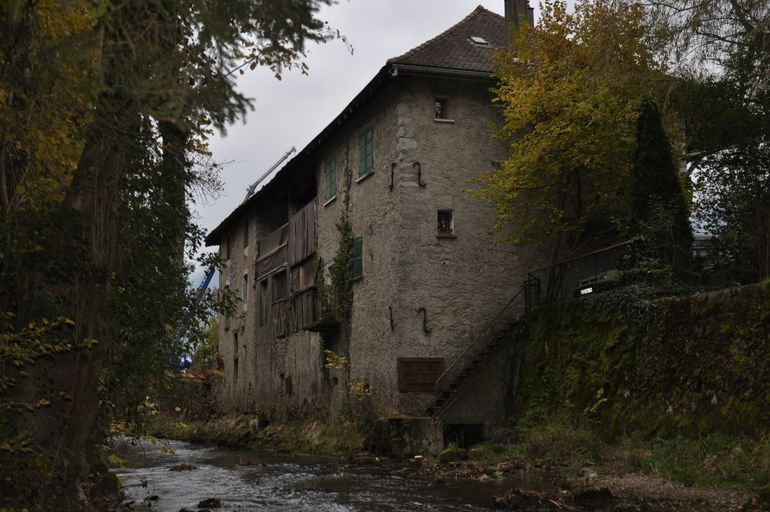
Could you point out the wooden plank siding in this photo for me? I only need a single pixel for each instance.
(302, 234)
(271, 262)
(418, 374)
(290, 247)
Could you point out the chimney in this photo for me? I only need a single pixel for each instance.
(515, 9)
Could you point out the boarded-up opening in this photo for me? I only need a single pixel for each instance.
(303, 275)
(418, 374)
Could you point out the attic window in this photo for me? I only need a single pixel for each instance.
(479, 40)
(440, 109)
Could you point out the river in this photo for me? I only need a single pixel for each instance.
(246, 480)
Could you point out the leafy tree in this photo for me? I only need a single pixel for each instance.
(723, 52)
(103, 106)
(733, 188)
(658, 207)
(569, 92)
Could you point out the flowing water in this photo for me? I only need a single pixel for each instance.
(246, 480)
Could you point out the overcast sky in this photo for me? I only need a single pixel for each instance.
(291, 112)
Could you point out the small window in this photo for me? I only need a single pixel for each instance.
(235, 369)
(441, 109)
(479, 41)
(358, 256)
(245, 291)
(263, 302)
(330, 179)
(246, 234)
(366, 153)
(445, 223)
(279, 286)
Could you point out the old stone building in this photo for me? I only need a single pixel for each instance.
(428, 276)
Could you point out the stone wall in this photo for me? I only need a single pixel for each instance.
(461, 280)
(627, 363)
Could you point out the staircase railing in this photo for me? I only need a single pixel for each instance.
(443, 379)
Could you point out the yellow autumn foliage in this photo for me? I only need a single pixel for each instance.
(569, 91)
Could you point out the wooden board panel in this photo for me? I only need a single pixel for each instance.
(302, 234)
(418, 374)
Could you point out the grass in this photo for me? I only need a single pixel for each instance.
(710, 461)
(338, 437)
(713, 461)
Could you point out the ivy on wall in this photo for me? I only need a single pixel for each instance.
(341, 270)
(657, 367)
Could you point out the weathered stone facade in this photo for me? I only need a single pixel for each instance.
(432, 274)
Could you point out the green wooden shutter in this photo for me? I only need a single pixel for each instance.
(366, 153)
(358, 259)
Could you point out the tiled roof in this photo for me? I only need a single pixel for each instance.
(454, 49)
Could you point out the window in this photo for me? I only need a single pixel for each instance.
(358, 256)
(366, 153)
(440, 110)
(235, 369)
(263, 302)
(445, 223)
(246, 234)
(279, 286)
(245, 292)
(330, 179)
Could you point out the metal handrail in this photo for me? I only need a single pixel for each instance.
(475, 341)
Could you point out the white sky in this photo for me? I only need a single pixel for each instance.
(291, 112)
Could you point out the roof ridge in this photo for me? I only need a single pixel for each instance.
(477, 11)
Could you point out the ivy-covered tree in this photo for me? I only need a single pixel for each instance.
(659, 209)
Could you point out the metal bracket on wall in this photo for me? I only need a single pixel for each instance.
(392, 174)
(425, 327)
(418, 166)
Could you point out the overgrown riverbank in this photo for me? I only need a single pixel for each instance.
(711, 474)
(658, 401)
(340, 437)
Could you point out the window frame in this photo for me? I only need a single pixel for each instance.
(451, 232)
(443, 103)
(365, 153)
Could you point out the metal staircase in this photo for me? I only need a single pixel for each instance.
(499, 330)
